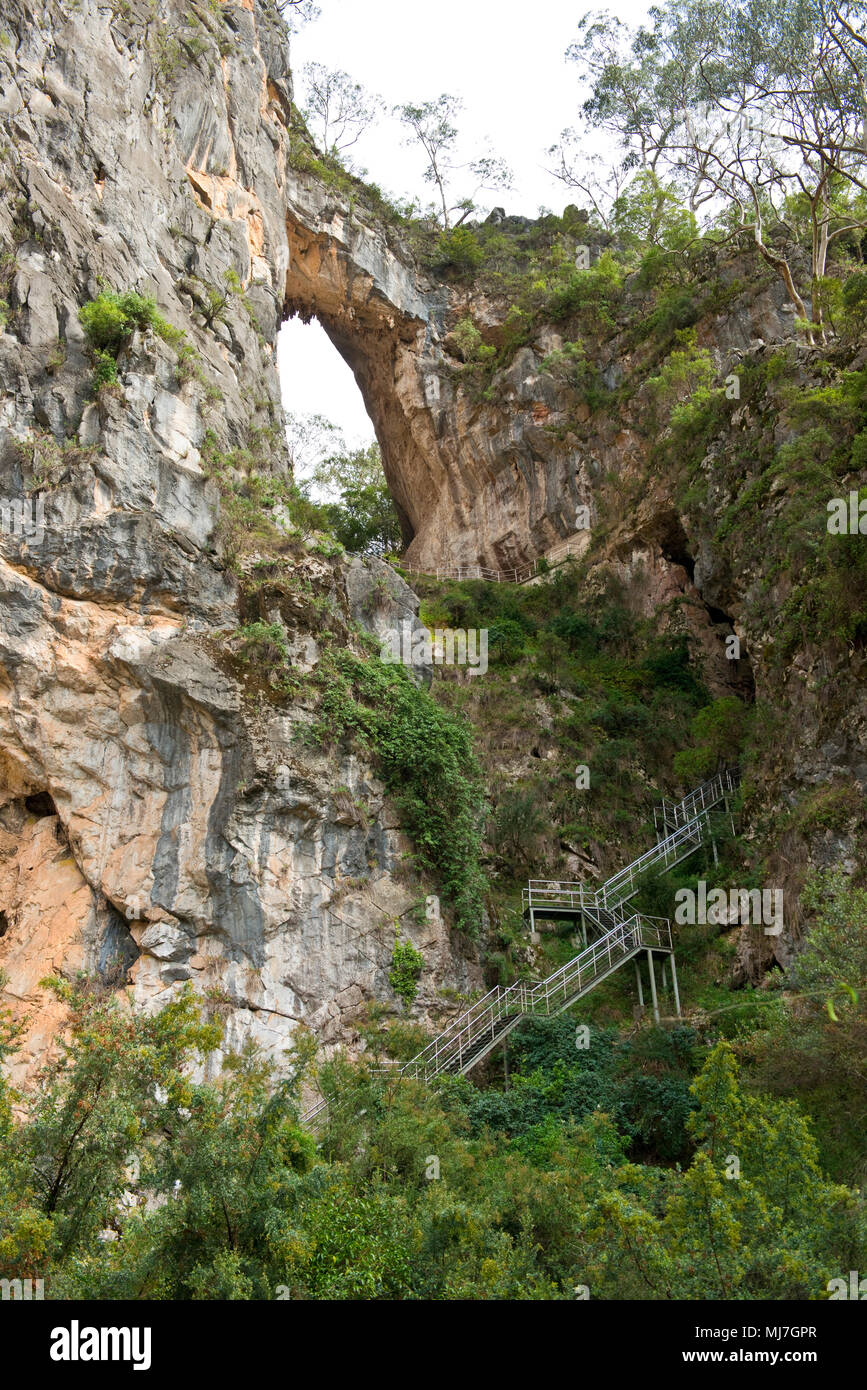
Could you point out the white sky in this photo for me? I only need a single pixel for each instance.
(505, 60)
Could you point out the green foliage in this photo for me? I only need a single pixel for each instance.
(829, 808)
(718, 732)
(111, 319)
(506, 639)
(618, 696)
(459, 250)
(263, 643)
(686, 374)
(572, 365)
(675, 310)
(212, 1190)
(99, 1101)
(814, 1049)
(189, 368)
(407, 965)
(104, 370)
(649, 212)
(670, 667)
(592, 292)
(752, 1216)
(467, 339)
(45, 461)
(260, 509)
(779, 501)
(25, 1230)
(364, 520)
(426, 759)
(854, 303)
(516, 828)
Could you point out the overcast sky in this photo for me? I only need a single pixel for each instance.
(505, 60)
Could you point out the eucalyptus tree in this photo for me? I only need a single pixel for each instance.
(747, 106)
(432, 125)
(337, 108)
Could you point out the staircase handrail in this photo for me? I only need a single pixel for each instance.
(622, 936)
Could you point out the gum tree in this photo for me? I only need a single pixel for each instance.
(432, 126)
(747, 106)
(338, 109)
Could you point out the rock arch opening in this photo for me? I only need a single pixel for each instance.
(317, 383)
(475, 478)
(367, 301)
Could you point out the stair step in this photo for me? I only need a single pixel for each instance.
(472, 1036)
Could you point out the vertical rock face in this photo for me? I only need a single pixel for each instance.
(157, 824)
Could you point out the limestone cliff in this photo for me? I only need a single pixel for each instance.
(159, 823)
(162, 818)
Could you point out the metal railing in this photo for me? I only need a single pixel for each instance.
(689, 818)
(473, 1035)
(574, 978)
(705, 797)
(469, 1038)
(518, 575)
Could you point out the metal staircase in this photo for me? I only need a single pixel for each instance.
(621, 936)
(472, 1036)
(685, 826)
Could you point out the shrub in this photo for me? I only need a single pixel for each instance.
(264, 643)
(593, 291)
(517, 826)
(406, 966)
(854, 303)
(111, 319)
(507, 638)
(104, 370)
(467, 339)
(718, 731)
(426, 759)
(687, 372)
(460, 249)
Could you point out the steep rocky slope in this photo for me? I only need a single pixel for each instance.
(164, 817)
(160, 822)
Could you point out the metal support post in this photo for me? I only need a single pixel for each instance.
(674, 983)
(653, 985)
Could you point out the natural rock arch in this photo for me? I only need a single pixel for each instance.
(472, 482)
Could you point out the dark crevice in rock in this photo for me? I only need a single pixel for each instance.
(717, 615)
(674, 546)
(116, 950)
(40, 804)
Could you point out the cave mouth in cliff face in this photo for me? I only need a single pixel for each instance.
(40, 804)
